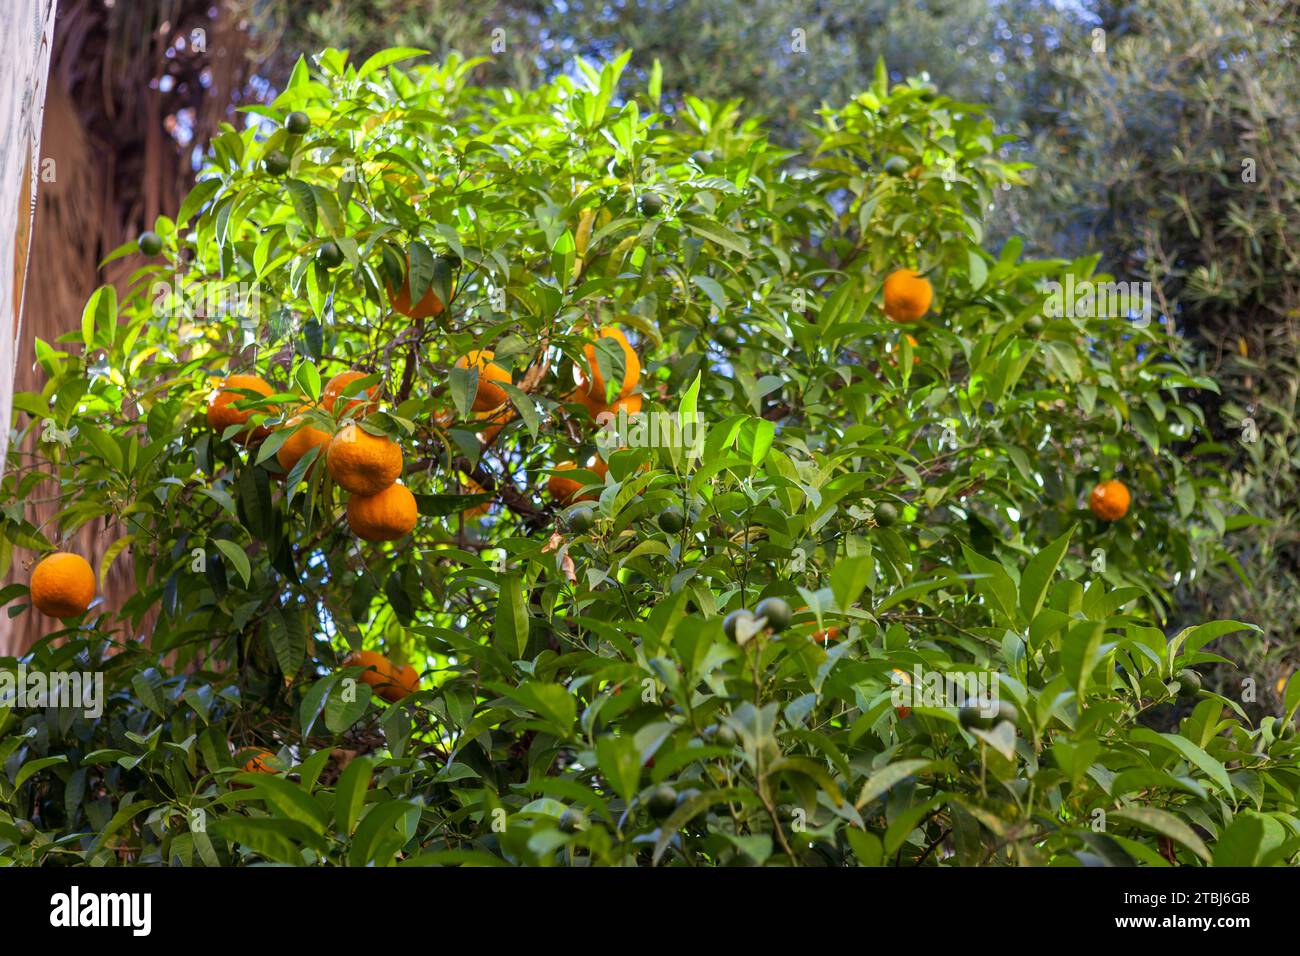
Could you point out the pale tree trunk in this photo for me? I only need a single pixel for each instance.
(26, 36)
(110, 139)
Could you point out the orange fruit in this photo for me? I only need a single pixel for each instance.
(900, 677)
(472, 487)
(405, 681)
(222, 414)
(826, 636)
(384, 516)
(1109, 501)
(304, 439)
(335, 386)
(907, 295)
(564, 489)
(497, 421)
(630, 405)
(362, 463)
(916, 359)
(62, 585)
(400, 299)
(379, 670)
(260, 763)
(390, 682)
(594, 385)
(489, 395)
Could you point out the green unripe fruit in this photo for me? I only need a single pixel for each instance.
(275, 163)
(896, 165)
(329, 255)
(150, 243)
(776, 611)
(570, 821)
(650, 204)
(1034, 323)
(886, 514)
(727, 335)
(701, 157)
(662, 802)
(26, 831)
(729, 622)
(581, 520)
(297, 122)
(672, 520)
(1189, 683)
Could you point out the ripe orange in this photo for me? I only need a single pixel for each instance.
(594, 385)
(260, 763)
(630, 405)
(900, 677)
(304, 438)
(497, 421)
(893, 360)
(62, 585)
(1109, 501)
(472, 487)
(384, 516)
(400, 299)
(826, 636)
(907, 295)
(489, 395)
(335, 386)
(405, 681)
(390, 682)
(362, 463)
(564, 489)
(222, 414)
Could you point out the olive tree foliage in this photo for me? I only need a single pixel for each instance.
(916, 495)
(1198, 191)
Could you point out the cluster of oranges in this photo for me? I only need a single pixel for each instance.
(591, 393)
(388, 680)
(365, 465)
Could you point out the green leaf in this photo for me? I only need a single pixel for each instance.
(1166, 824)
(272, 838)
(849, 578)
(1248, 839)
(304, 203)
(620, 764)
(350, 795)
(33, 767)
(464, 385)
(1081, 652)
(288, 799)
(994, 584)
(1038, 574)
(237, 557)
(377, 839)
(512, 617)
(886, 777)
(550, 701)
(377, 61)
(100, 313)
(203, 190)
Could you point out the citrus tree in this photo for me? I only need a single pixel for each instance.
(559, 476)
